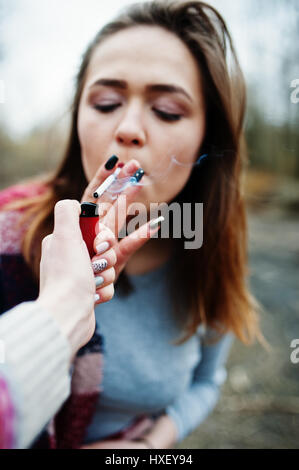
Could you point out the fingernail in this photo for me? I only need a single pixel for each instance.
(156, 222)
(137, 176)
(100, 265)
(101, 247)
(99, 281)
(96, 297)
(111, 162)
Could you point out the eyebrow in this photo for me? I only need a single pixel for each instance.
(122, 84)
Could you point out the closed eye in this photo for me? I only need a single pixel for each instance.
(106, 108)
(169, 117)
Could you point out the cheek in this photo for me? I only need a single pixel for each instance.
(190, 143)
(174, 172)
(165, 186)
(94, 142)
(175, 183)
(175, 153)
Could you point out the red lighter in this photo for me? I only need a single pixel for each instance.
(89, 218)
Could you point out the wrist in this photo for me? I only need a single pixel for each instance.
(61, 317)
(147, 442)
(163, 435)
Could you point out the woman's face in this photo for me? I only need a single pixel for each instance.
(142, 99)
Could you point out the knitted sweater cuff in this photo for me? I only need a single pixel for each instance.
(36, 366)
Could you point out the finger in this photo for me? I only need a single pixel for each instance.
(104, 278)
(105, 170)
(129, 169)
(109, 198)
(116, 216)
(122, 207)
(46, 246)
(105, 294)
(135, 240)
(66, 219)
(104, 240)
(102, 262)
(125, 172)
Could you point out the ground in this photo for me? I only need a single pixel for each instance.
(259, 404)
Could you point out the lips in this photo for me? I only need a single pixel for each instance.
(125, 159)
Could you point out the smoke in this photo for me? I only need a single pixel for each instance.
(159, 174)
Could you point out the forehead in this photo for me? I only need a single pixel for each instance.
(145, 54)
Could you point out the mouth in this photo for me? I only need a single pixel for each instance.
(123, 161)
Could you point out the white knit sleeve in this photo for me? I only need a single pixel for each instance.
(35, 362)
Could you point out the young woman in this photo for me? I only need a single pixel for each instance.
(159, 87)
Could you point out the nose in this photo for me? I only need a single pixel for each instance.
(130, 131)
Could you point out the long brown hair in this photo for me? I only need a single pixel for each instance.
(209, 283)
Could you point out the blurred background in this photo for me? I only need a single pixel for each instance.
(40, 50)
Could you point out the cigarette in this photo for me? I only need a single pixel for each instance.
(105, 185)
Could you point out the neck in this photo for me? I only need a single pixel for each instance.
(150, 256)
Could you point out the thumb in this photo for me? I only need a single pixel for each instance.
(46, 241)
(66, 219)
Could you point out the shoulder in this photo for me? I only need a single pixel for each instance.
(11, 228)
(19, 192)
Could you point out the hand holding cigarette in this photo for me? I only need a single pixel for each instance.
(98, 189)
(106, 184)
(114, 219)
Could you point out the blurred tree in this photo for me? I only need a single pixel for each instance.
(274, 139)
(35, 154)
(272, 147)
